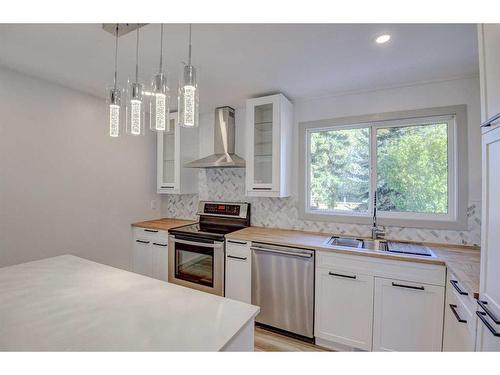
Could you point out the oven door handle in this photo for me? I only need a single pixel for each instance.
(202, 244)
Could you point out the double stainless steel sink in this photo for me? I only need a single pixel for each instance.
(415, 249)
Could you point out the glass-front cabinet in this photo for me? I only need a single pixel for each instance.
(174, 148)
(269, 146)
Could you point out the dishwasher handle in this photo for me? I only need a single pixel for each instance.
(299, 254)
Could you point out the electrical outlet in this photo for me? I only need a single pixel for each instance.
(154, 204)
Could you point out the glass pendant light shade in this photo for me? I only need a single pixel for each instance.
(188, 99)
(135, 108)
(114, 94)
(135, 101)
(159, 99)
(114, 111)
(159, 104)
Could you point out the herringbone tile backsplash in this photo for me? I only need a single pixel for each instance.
(229, 185)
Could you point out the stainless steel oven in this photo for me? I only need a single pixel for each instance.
(196, 263)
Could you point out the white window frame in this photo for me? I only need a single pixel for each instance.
(454, 117)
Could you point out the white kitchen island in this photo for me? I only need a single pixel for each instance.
(68, 303)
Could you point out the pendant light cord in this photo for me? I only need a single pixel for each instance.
(116, 57)
(189, 61)
(161, 49)
(137, 58)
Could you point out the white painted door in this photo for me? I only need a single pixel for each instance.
(407, 316)
(238, 271)
(143, 257)
(489, 67)
(160, 259)
(488, 334)
(344, 308)
(168, 155)
(263, 124)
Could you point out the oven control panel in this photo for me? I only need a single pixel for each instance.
(237, 210)
(222, 209)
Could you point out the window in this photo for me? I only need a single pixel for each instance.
(409, 165)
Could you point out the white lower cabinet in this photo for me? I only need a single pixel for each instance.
(238, 283)
(143, 257)
(160, 260)
(407, 316)
(460, 321)
(344, 308)
(376, 304)
(150, 257)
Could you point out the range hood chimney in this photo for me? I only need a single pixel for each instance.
(224, 156)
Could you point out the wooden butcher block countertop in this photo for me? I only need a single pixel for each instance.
(163, 224)
(463, 261)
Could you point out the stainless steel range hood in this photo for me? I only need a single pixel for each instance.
(224, 156)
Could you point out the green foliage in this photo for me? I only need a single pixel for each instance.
(339, 169)
(412, 169)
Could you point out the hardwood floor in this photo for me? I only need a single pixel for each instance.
(267, 341)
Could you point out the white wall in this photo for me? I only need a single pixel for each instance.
(230, 184)
(417, 96)
(65, 186)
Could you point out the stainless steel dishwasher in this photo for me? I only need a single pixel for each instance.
(283, 287)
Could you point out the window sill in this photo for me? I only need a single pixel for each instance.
(460, 224)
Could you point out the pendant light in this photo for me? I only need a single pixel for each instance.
(114, 111)
(135, 102)
(159, 100)
(188, 93)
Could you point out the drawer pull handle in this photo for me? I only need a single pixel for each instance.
(160, 244)
(457, 288)
(239, 258)
(237, 242)
(482, 316)
(454, 310)
(488, 311)
(408, 286)
(262, 188)
(141, 241)
(151, 230)
(340, 275)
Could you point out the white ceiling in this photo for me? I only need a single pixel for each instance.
(238, 61)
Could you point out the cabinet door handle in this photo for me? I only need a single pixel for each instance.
(408, 286)
(457, 288)
(237, 242)
(340, 275)
(160, 244)
(262, 188)
(488, 311)
(151, 230)
(454, 310)
(235, 257)
(141, 241)
(482, 316)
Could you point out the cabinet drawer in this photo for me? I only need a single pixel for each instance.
(151, 233)
(465, 303)
(404, 270)
(238, 248)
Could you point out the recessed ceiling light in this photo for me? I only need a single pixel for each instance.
(384, 38)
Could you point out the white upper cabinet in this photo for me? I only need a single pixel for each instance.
(489, 70)
(269, 146)
(174, 148)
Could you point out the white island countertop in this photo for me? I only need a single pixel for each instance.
(68, 303)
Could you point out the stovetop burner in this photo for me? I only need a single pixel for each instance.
(216, 220)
